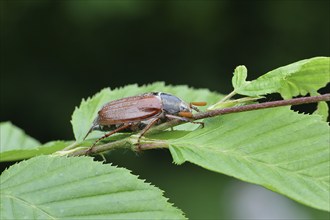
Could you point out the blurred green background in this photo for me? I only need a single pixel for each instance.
(54, 53)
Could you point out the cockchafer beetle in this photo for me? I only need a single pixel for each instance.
(140, 113)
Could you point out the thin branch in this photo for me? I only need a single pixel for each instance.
(130, 141)
(216, 112)
(124, 143)
(244, 108)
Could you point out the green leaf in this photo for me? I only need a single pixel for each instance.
(299, 78)
(49, 187)
(16, 145)
(20, 154)
(14, 138)
(239, 78)
(83, 116)
(234, 102)
(322, 110)
(277, 148)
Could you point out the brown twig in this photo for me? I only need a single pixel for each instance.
(128, 143)
(244, 108)
(272, 104)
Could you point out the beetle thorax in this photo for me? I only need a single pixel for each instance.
(173, 105)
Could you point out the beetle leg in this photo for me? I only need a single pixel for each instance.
(107, 135)
(198, 122)
(177, 117)
(152, 122)
(185, 119)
